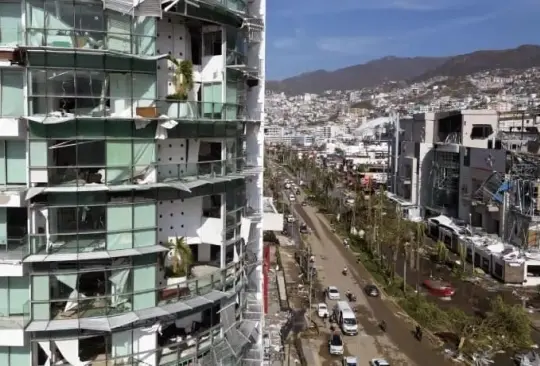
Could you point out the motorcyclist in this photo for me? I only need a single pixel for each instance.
(348, 293)
(418, 333)
(383, 326)
(345, 270)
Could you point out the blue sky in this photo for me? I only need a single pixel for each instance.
(306, 35)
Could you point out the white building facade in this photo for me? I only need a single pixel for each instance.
(131, 182)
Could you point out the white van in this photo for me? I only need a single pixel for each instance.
(345, 318)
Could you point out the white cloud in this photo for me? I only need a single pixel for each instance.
(349, 45)
(310, 7)
(284, 43)
(289, 42)
(358, 45)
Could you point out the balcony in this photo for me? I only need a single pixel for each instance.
(114, 307)
(102, 177)
(56, 109)
(173, 346)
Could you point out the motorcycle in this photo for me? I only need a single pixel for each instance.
(382, 325)
(345, 271)
(351, 297)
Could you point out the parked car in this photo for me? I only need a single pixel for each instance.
(379, 362)
(335, 344)
(333, 293)
(322, 310)
(372, 290)
(350, 361)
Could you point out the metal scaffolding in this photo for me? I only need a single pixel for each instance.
(516, 193)
(445, 181)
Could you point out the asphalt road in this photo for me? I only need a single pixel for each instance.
(397, 344)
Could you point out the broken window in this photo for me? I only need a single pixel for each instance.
(212, 43)
(480, 131)
(86, 25)
(68, 93)
(212, 206)
(209, 158)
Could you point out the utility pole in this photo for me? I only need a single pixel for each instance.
(310, 280)
(397, 129)
(472, 244)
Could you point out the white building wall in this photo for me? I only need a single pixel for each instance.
(213, 67)
(474, 117)
(255, 100)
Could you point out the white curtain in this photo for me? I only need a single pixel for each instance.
(245, 228)
(70, 350)
(46, 347)
(236, 257)
(145, 344)
(45, 213)
(70, 280)
(119, 279)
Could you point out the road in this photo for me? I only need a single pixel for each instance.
(398, 344)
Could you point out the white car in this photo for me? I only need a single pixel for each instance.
(290, 218)
(350, 361)
(322, 310)
(292, 198)
(333, 293)
(335, 344)
(379, 362)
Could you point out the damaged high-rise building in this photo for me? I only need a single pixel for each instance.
(131, 204)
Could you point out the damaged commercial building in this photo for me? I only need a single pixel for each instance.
(131, 203)
(475, 176)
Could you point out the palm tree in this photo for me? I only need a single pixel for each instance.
(181, 257)
(441, 251)
(328, 184)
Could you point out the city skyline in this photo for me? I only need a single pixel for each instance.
(304, 38)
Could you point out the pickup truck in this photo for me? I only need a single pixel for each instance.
(335, 344)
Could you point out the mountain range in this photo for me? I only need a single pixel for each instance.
(409, 69)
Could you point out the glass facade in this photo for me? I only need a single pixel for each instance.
(123, 285)
(81, 152)
(92, 222)
(10, 24)
(131, 347)
(106, 167)
(11, 91)
(12, 158)
(87, 25)
(88, 93)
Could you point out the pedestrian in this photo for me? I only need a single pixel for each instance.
(325, 318)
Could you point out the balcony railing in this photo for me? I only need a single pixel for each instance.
(152, 173)
(126, 43)
(177, 351)
(124, 302)
(235, 58)
(14, 248)
(54, 109)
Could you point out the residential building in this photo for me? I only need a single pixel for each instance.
(131, 182)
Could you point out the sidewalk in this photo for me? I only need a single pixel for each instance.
(298, 295)
(275, 320)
